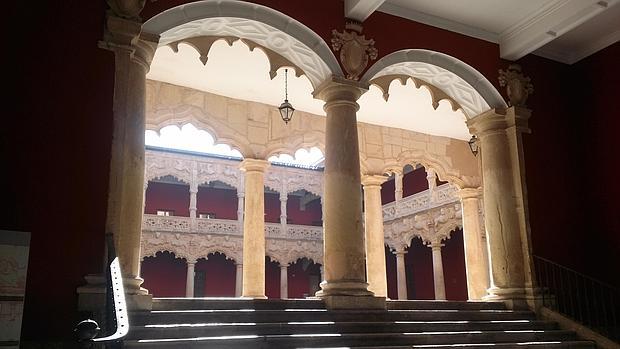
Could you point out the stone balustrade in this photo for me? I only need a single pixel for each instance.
(419, 202)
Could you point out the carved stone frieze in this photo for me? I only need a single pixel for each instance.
(289, 251)
(355, 50)
(383, 83)
(191, 246)
(518, 86)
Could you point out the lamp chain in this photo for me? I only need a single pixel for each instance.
(286, 84)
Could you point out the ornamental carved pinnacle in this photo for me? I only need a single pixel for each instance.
(129, 9)
(355, 49)
(518, 86)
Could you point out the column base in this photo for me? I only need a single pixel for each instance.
(515, 298)
(92, 296)
(349, 295)
(253, 297)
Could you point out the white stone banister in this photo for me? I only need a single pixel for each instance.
(410, 205)
(176, 224)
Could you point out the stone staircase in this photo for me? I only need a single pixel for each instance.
(249, 324)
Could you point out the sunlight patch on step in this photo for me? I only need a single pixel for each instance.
(196, 339)
(477, 345)
(203, 311)
(202, 325)
(311, 323)
(441, 332)
(315, 335)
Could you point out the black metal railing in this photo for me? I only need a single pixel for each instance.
(116, 317)
(588, 301)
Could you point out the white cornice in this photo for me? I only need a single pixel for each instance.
(583, 52)
(360, 9)
(438, 22)
(550, 21)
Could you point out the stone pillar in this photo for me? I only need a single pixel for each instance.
(401, 274)
(431, 178)
(438, 279)
(283, 281)
(238, 279)
(254, 228)
(189, 283)
(499, 133)
(398, 186)
(193, 193)
(375, 240)
(344, 251)
(476, 263)
(133, 53)
(240, 206)
(283, 201)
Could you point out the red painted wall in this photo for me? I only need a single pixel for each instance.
(419, 267)
(272, 278)
(299, 278)
(413, 183)
(272, 207)
(390, 267)
(312, 215)
(222, 202)
(220, 275)
(164, 275)
(167, 196)
(454, 273)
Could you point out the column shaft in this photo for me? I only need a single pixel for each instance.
(401, 275)
(254, 229)
(438, 278)
(189, 283)
(126, 185)
(283, 217)
(398, 186)
(192, 202)
(238, 279)
(283, 281)
(505, 221)
(476, 263)
(375, 240)
(344, 250)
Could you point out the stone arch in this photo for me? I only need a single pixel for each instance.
(227, 252)
(473, 92)
(155, 173)
(264, 26)
(230, 181)
(297, 141)
(203, 120)
(178, 254)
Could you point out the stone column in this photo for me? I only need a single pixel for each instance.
(238, 279)
(398, 186)
(240, 206)
(431, 178)
(401, 274)
(283, 281)
(133, 53)
(283, 201)
(344, 251)
(476, 264)
(375, 239)
(499, 133)
(254, 228)
(193, 193)
(438, 279)
(189, 283)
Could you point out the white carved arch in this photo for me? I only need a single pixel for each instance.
(474, 93)
(227, 252)
(227, 174)
(313, 188)
(152, 252)
(203, 120)
(158, 167)
(444, 170)
(263, 25)
(286, 252)
(290, 145)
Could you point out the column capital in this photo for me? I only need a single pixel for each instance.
(125, 35)
(470, 193)
(499, 119)
(400, 252)
(283, 266)
(338, 89)
(192, 263)
(254, 165)
(436, 245)
(373, 180)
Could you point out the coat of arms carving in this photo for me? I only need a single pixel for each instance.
(355, 50)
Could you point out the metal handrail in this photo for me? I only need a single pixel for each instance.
(589, 301)
(116, 307)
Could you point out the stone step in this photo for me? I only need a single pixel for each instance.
(457, 305)
(326, 340)
(533, 345)
(230, 329)
(252, 315)
(235, 303)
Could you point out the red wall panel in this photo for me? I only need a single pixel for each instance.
(455, 275)
(220, 275)
(419, 267)
(312, 214)
(415, 182)
(272, 278)
(390, 267)
(222, 202)
(167, 196)
(299, 278)
(164, 275)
